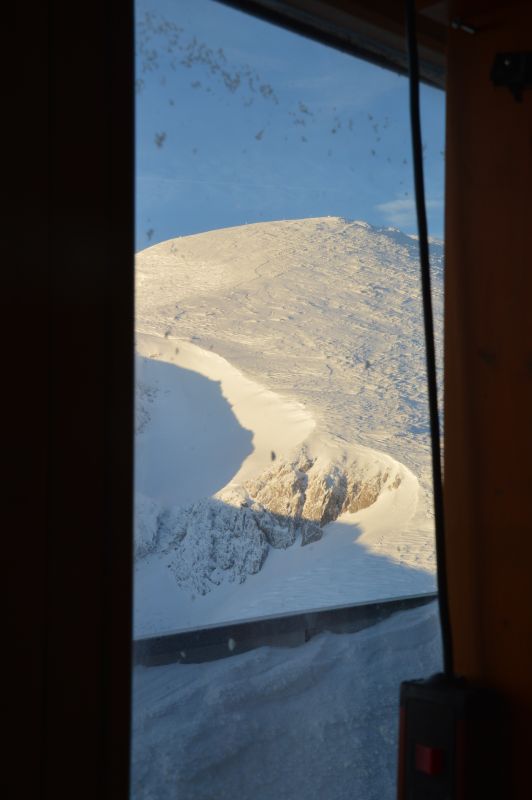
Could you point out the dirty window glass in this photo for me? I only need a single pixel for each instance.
(284, 541)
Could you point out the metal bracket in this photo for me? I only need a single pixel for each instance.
(514, 71)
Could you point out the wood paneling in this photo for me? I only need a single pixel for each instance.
(488, 363)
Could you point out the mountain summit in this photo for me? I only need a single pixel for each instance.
(311, 331)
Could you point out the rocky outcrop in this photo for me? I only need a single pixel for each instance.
(221, 543)
(280, 489)
(325, 496)
(310, 532)
(280, 532)
(228, 537)
(362, 493)
(304, 495)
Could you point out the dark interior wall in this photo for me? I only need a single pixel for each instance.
(67, 308)
(488, 363)
(23, 319)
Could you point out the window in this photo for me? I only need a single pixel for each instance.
(282, 450)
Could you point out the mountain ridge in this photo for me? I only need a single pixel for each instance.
(323, 314)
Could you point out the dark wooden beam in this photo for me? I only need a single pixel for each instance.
(67, 304)
(374, 30)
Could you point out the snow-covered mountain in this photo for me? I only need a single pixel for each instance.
(283, 457)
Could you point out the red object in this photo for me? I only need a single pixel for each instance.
(429, 759)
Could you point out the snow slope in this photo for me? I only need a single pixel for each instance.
(316, 721)
(263, 350)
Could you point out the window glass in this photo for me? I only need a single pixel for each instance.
(283, 500)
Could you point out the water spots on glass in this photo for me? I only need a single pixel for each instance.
(159, 39)
(179, 62)
(162, 44)
(267, 92)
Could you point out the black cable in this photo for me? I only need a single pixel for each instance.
(417, 153)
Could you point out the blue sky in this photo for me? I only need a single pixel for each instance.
(239, 121)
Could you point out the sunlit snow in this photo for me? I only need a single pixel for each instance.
(262, 347)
